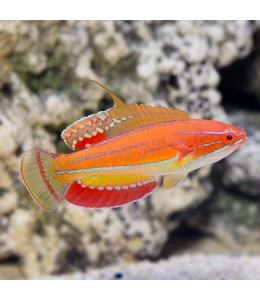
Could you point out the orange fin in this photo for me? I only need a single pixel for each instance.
(40, 179)
(141, 116)
(117, 100)
(122, 118)
(109, 191)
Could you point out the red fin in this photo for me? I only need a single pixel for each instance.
(98, 192)
(86, 131)
(87, 142)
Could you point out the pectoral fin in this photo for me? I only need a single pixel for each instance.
(172, 180)
(187, 149)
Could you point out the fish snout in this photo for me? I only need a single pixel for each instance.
(241, 135)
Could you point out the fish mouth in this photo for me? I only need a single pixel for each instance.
(241, 136)
(240, 139)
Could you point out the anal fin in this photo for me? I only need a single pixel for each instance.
(109, 191)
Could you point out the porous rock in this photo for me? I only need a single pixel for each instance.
(244, 171)
(44, 89)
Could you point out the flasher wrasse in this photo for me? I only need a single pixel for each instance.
(121, 151)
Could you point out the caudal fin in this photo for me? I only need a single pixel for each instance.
(40, 179)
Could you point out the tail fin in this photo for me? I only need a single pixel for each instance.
(40, 179)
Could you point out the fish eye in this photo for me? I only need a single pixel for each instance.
(229, 137)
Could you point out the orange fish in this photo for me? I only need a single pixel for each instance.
(122, 150)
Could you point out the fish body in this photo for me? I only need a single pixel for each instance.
(154, 150)
(120, 153)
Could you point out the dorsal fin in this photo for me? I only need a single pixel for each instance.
(117, 100)
(121, 118)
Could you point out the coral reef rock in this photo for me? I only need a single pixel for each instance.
(243, 167)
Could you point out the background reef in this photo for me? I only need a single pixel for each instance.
(209, 68)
